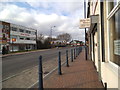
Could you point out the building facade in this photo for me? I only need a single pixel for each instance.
(4, 35)
(20, 38)
(104, 40)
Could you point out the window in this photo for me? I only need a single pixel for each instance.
(111, 5)
(21, 30)
(5, 27)
(27, 38)
(27, 31)
(28, 47)
(1, 26)
(114, 27)
(4, 37)
(0, 48)
(14, 28)
(13, 36)
(21, 38)
(34, 33)
(34, 39)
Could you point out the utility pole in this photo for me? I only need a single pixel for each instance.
(85, 29)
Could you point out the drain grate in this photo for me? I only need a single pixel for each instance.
(46, 72)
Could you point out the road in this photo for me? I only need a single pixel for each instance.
(12, 65)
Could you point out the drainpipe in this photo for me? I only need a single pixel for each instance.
(85, 29)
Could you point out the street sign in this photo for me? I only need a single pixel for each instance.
(85, 23)
(13, 39)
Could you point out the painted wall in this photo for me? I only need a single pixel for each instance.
(109, 70)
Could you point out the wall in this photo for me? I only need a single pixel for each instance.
(109, 70)
(24, 35)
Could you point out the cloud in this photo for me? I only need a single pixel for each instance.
(42, 16)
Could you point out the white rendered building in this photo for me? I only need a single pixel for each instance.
(25, 38)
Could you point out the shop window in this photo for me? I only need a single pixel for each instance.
(114, 26)
(28, 47)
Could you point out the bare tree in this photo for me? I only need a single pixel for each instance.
(40, 41)
(40, 37)
(64, 36)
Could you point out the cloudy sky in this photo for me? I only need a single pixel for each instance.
(44, 15)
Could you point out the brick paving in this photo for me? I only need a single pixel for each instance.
(80, 74)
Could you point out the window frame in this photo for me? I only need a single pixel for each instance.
(111, 14)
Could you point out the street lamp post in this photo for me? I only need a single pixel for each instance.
(51, 32)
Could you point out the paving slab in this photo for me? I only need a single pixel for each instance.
(80, 74)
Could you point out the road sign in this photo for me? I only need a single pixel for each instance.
(85, 23)
(13, 39)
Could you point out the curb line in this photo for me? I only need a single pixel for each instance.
(22, 53)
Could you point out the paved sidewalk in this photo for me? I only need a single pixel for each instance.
(80, 74)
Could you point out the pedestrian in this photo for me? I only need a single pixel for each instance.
(3, 50)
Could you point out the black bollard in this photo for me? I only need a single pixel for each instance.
(59, 63)
(40, 74)
(67, 64)
(78, 50)
(71, 55)
(105, 86)
(74, 53)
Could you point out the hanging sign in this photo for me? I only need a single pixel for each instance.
(85, 23)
